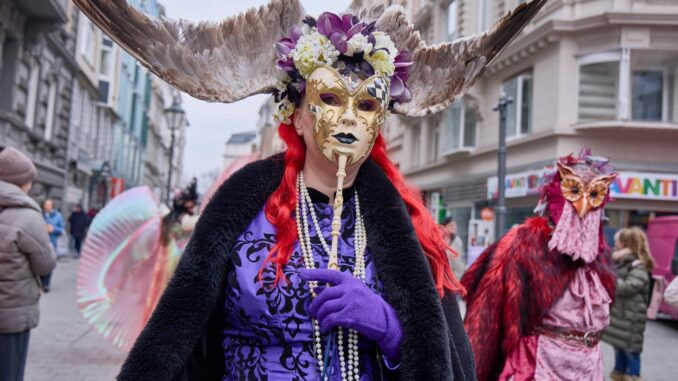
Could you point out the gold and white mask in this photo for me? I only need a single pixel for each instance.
(348, 112)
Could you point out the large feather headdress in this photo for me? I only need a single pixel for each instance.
(235, 58)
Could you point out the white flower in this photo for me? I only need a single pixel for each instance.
(356, 44)
(313, 50)
(381, 62)
(382, 40)
(284, 111)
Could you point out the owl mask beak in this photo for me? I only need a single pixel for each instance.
(582, 206)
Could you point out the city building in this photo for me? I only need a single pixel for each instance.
(267, 128)
(36, 80)
(90, 148)
(157, 152)
(238, 145)
(133, 101)
(599, 73)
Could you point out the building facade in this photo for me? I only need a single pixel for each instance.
(91, 137)
(597, 73)
(157, 152)
(238, 145)
(267, 129)
(36, 80)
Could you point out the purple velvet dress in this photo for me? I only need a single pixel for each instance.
(268, 330)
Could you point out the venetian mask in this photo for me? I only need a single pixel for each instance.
(584, 189)
(348, 112)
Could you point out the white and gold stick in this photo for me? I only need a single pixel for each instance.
(333, 262)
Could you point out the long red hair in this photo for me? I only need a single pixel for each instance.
(280, 208)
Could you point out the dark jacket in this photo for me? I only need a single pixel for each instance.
(25, 253)
(183, 338)
(79, 222)
(629, 311)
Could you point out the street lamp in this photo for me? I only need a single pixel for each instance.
(502, 107)
(175, 119)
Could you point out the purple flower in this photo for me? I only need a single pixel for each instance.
(399, 90)
(339, 29)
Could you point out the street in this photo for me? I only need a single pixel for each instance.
(65, 348)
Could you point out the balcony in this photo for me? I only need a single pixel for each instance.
(45, 11)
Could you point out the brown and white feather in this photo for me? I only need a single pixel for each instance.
(224, 62)
(442, 73)
(235, 58)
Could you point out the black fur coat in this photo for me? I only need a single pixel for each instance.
(182, 340)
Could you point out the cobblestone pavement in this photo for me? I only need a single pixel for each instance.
(63, 347)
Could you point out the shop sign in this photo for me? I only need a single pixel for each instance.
(521, 184)
(627, 185)
(648, 186)
(117, 186)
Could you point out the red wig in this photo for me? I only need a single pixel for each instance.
(280, 207)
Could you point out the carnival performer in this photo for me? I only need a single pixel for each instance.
(130, 253)
(320, 263)
(539, 298)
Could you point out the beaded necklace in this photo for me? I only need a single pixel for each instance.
(304, 207)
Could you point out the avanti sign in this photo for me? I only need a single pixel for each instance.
(627, 185)
(651, 186)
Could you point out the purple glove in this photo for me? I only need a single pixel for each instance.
(349, 303)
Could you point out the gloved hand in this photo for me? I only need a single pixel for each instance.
(349, 303)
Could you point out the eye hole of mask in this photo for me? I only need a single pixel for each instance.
(597, 194)
(572, 189)
(331, 99)
(367, 105)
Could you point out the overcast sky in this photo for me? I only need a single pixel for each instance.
(213, 123)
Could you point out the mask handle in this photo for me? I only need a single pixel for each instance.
(333, 262)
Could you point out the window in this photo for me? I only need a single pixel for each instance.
(435, 143)
(628, 85)
(51, 110)
(483, 14)
(598, 89)
(519, 117)
(32, 96)
(452, 20)
(87, 47)
(461, 126)
(647, 95)
(416, 146)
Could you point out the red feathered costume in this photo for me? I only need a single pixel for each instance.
(517, 281)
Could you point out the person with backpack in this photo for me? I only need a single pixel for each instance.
(629, 310)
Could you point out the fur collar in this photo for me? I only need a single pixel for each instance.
(183, 337)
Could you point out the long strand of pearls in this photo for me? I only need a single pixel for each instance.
(304, 207)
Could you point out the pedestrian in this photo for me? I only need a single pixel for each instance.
(55, 227)
(457, 262)
(25, 254)
(671, 293)
(629, 310)
(539, 298)
(78, 221)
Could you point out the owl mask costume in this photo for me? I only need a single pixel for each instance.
(281, 280)
(539, 298)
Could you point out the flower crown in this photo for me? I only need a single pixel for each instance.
(353, 47)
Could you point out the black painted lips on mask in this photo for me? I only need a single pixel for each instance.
(345, 138)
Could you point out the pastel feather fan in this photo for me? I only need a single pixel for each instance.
(124, 266)
(235, 58)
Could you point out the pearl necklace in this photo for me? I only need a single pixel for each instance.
(303, 208)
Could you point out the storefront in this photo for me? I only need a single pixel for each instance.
(637, 197)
